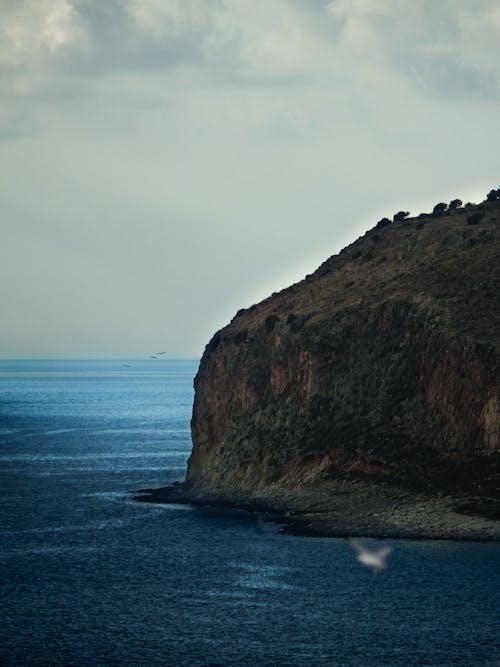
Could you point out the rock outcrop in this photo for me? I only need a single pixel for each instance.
(383, 364)
(380, 369)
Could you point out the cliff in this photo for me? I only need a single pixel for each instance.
(377, 376)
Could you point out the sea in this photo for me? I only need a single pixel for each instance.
(88, 576)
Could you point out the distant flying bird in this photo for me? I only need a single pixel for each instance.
(160, 353)
(376, 559)
(153, 356)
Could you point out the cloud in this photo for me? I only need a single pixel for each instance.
(245, 41)
(193, 156)
(442, 42)
(30, 28)
(33, 36)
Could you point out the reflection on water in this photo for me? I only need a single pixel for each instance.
(251, 575)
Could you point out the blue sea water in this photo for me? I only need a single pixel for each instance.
(89, 577)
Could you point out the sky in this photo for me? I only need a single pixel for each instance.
(164, 163)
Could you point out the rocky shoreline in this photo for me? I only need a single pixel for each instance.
(351, 508)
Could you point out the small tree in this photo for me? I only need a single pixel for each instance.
(454, 204)
(439, 209)
(401, 215)
(493, 195)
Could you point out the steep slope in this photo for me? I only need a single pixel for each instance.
(383, 366)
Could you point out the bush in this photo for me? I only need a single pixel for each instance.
(382, 223)
(493, 195)
(401, 215)
(240, 337)
(455, 203)
(271, 322)
(475, 218)
(439, 209)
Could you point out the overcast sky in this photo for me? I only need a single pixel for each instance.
(166, 162)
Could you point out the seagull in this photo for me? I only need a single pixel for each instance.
(160, 353)
(153, 356)
(376, 559)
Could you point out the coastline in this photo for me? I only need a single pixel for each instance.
(348, 508)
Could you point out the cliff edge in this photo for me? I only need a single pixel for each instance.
(371, 386)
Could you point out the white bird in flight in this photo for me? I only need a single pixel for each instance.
(376, 559)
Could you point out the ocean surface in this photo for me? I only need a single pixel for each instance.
(90, 577)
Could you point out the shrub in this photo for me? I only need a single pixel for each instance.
(493, 195)
(455, 203)
(271, 321)
(382, 223)
(401, 215)
(439, 209)
(475, 218)
(240, 337)
(297, 325)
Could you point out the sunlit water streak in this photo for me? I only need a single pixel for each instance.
(89, 577)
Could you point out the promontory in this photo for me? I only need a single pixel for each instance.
(365, 399)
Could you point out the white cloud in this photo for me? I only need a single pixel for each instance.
(255, 41)
(206, 152)
(31, 29)
(424, 36)
(34, 34)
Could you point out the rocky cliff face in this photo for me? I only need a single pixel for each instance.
(382, 365)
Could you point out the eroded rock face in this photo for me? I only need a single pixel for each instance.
(383, 364)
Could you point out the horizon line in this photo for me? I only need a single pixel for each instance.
(98, 359)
